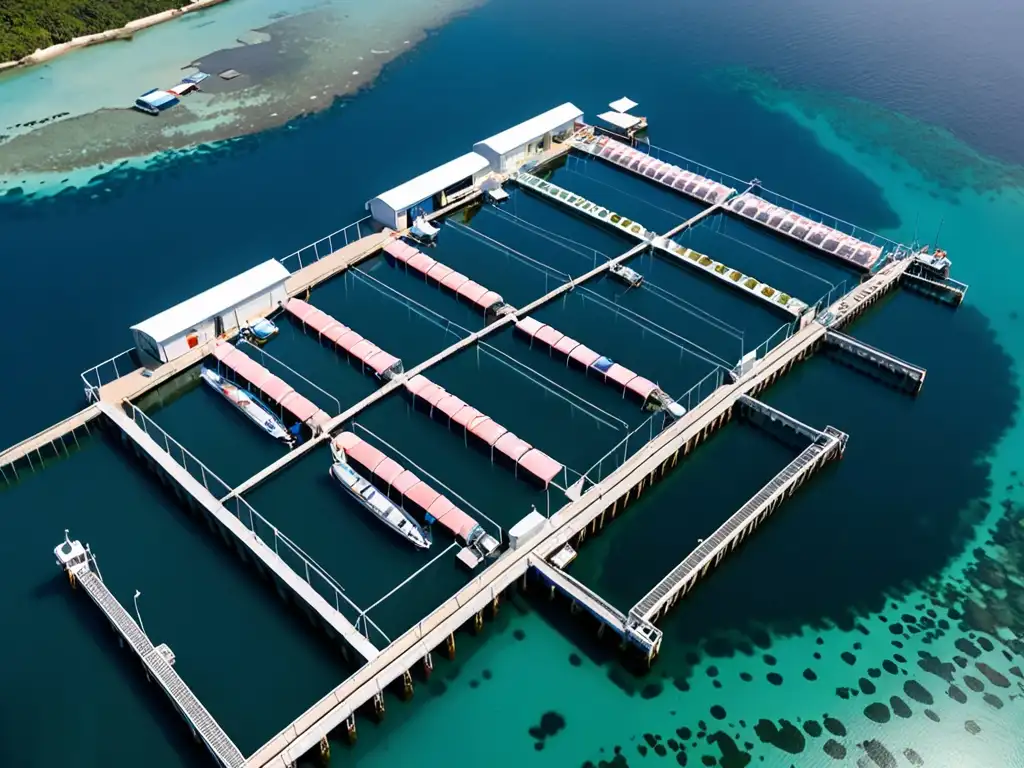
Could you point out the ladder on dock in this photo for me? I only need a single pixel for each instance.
(711, 551)
(159, 667)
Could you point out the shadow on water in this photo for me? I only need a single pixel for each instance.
(834, 553)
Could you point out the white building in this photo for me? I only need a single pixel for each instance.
(511, 148)
(430, 191)
(206, 316)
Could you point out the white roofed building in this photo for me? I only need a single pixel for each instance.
(430, 191)
(223, 308)
(508, 150)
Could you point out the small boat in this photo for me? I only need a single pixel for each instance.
(155, 101)
(260, 331)
(395, 518)
(423, 231)
(626, 275)
(253, 409)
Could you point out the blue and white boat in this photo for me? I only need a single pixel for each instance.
(155, 101)
(379, 505)
(250, 407)
(260, 331)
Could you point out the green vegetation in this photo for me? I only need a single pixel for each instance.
(768, 291)
(783, 299)
(735, 275)
(616, 218)
(705, 261)
(26, 25)
(751, 283)
(720, 268)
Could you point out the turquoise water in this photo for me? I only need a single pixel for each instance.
(846, 570)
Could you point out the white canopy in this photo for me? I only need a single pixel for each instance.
(179, 318)
(619, 120)
(430, 183)
(623, 105)
(532, 129)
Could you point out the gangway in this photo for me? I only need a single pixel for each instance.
(77, 562)
(642, 634)
(710, 552)
(873, 361)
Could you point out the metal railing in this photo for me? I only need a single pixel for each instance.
(780, 335)
(831, 296)
(862, 234)
(264, 355)
(620, 453)
(585, 251)
(692, 165)
(290, 553)
(98, 373)
(325, 246)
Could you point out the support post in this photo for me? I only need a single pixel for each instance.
(450, 643)
(407, 688)
(350, 729)
(428, 665)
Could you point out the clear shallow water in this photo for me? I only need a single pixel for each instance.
(842, 553)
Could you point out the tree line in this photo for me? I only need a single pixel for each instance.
(26, 25)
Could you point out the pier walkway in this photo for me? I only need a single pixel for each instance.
(305, 732)
(48, 437)
(711, 551)
(244, 536)
(640, 633)
(156, 660)
(874, 361)
(444, 354)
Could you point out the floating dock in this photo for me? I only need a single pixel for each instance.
(77, 562)
(873, 361)
(548, 544)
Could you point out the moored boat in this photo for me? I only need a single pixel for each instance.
(379, 505)
(249, 406)
(260, 331)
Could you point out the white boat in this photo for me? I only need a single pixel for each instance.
(252, 408)
(423, 231)
(379, 505)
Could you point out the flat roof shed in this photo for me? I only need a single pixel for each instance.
(221, 309)
(429, 190)
(507, 150)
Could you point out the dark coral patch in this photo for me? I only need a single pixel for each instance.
(849, 658)
(882, 757)
(809, 674)
(718, 712)
(966, 646)
(519, 634)
(866, 686)
(877, 712)
(917, 692)
(812, 728)
(774, 678)
(575, 660)
(834, 749)
(997, 679)
(899, 707)
(985, 643)
(957, 695)
(974, 684)
(784, 736)
(890, 667)
(972, 727)
(834, 726)
(746, 677)
(931, 715)
(913, 758)
(993, 701)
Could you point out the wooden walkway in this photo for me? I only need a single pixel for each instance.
(252, 543)
(712, 550)
(188, 705)
(60, 432)
(305, 732)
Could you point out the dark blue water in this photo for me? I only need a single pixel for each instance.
(840, 554)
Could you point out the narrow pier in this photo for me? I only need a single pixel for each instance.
(156, 660)
(710, 552)
(246, 541)
(942, 289)
(642, 634)
(874, 362)
(55, 439)
(779, 424)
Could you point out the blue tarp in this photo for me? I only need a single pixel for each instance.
(603, 364)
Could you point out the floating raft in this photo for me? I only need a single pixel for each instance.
(273, 387)
(614, 374)
(485, 430)
(815, 234)
(486, 301)
(369, 355)
(666, 174)
(405, 488)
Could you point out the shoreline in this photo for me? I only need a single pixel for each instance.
(43, 55)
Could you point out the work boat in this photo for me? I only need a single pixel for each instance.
(253, 409)
(379, 505)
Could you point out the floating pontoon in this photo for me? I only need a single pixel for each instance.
(248, 405)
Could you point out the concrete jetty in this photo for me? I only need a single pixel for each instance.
(156, 660)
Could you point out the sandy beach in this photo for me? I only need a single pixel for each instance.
(47, 54)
